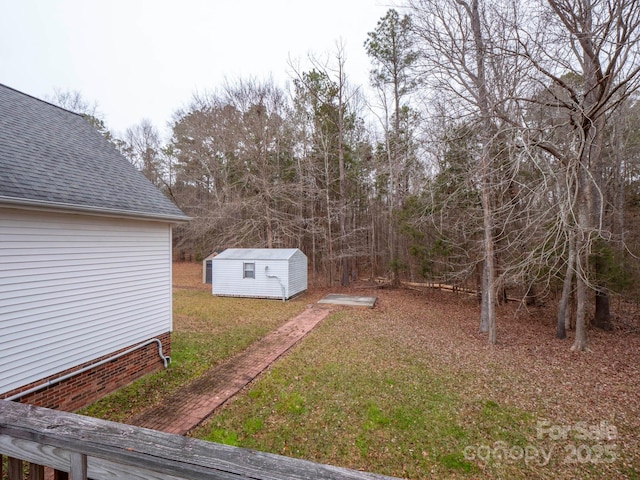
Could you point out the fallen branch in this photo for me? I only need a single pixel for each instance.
(451, 288)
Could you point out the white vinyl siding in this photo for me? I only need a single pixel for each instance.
(297, 273)
(278, 272)
(74, 288)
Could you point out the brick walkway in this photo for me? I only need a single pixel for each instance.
(181, 412)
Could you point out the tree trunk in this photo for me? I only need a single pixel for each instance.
(488, 303)
(314, 267)
(484, 312)
(563, 307)
(602, 318)
(489, 293)
(342, 214)
(580, 341)
(328, 237)
(269, 227)
(582, 265)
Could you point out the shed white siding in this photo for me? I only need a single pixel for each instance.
(278, 273)
(297, 273)
(75, 287)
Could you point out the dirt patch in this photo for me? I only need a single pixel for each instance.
(188, 275)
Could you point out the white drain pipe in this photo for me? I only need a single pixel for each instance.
(49, 383)
(284, 294)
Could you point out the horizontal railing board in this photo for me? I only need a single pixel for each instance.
(28, 432)
(60, 459)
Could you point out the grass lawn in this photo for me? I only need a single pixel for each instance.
(410, 389)
(207, 330)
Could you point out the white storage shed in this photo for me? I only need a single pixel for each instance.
(259, 272)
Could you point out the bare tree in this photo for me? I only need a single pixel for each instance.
(462, 59)
(235, 161)
(74, 101)
(390, 47)
(325, 94)
(142, 146)
(597, 42)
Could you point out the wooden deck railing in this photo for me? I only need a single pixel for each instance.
(96, 449)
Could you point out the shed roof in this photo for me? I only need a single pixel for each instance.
(53, 158)
(256, 254)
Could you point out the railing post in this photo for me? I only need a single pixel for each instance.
(14, 469)
(60, 475)
(78, 466)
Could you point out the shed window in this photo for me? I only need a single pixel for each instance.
(249, 270)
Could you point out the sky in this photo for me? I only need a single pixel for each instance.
(144, 59)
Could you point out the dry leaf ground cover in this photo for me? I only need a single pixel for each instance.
(410, 389)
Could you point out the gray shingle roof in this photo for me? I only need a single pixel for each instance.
(50, 157)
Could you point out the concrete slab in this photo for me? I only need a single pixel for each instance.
(352, 300)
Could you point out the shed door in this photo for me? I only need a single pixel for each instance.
(208, 278)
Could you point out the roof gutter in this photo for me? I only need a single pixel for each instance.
(60, 207)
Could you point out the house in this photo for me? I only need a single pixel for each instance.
(259, 272)
(85, 260)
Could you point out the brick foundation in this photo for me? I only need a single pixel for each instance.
(87, 387)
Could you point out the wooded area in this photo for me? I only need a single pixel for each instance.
(499, 152)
